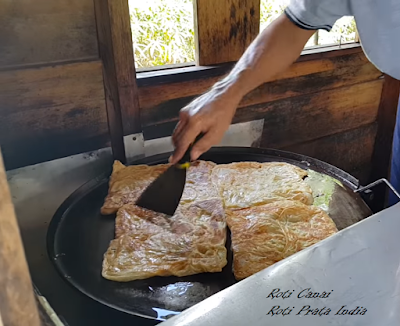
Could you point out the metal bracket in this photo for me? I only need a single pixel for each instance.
(377, 182)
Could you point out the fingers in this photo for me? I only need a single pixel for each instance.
(204, 144)
(178, 130)
(184, 140)
(183, 120)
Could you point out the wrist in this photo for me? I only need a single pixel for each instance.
(230, 89)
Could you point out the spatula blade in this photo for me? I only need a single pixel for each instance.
(164, 194)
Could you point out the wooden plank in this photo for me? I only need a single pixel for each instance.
(250, 107)
(307, 117)
(224, 29)
(17, 303)
(51, 112)
(344, 73)
(349, 150)
(120, 25)
(381, 157)
(42, 31)
(304, 118)
(105, 21)
(159, 130)
(342, 70)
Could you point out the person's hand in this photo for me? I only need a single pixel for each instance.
(210, 115)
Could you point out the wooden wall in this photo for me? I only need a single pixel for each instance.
(326, 107)
(51, 82)
(68, 85)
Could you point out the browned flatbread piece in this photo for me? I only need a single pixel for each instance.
(127, 183)
(263, 235)
(247, 184)
(151, 244)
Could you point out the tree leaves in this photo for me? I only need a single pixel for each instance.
(162, 32)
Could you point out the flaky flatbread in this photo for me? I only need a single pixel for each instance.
(248, 184)
(267, 208)
(151, 244)
(127, 183)
(263, 235)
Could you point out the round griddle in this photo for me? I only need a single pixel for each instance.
(78, 236)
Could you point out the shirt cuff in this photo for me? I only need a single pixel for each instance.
(299, 23)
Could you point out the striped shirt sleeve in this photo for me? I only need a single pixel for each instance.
(317, 14)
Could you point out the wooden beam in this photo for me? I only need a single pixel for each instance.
(224, 29)
(381, 157)
(115, 46)
(17, 302)
(120, 24)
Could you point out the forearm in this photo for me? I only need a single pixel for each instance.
(271, 53)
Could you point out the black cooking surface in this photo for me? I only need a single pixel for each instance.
(79, 235)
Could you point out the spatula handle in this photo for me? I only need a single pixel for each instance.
(186, 157)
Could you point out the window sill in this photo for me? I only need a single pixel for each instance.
(189, 71)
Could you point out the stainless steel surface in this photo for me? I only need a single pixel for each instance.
(357, 267)
(134, 146)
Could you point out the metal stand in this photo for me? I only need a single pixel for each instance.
(378, 182)
(369, 195)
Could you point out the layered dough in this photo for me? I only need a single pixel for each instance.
(151, 244)
(247, 184)
(263, 235)
(267, 207)
(127, 183)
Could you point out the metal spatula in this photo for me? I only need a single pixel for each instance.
(164, 194)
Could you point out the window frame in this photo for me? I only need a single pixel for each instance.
(172, 72)
(203, 13)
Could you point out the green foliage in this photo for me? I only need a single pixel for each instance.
(270, 10)
(163, 30)
(344, 30)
